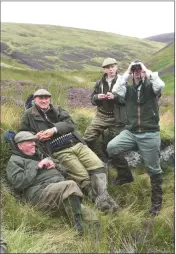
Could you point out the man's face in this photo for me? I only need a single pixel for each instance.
(42, 101)
(138, 74)
(111, 70)
(27, 147)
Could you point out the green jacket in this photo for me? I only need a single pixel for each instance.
(117, 105)
(142, 108)
(26, 178)
(33, 121)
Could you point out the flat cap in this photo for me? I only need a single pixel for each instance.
(42, 92)
(24, 136)
(108, 61)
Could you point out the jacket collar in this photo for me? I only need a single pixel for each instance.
(36, 110)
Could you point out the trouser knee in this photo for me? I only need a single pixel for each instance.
(112, 150)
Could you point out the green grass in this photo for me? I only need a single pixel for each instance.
(169, 80)
(27, 230)
(162, 59)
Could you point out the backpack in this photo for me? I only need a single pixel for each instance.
(9, 136)
(29, 101)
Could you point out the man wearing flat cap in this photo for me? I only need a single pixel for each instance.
(55, 130)
(40, 183)
(110, 115)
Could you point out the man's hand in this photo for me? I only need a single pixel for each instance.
(101, 96)
(143, 67)
(46, 163)
(45, 135)
(110, 96)
(129, 68)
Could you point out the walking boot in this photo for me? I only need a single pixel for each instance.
(103, 200)
(156, 197)
(124, 174)
(72, 206)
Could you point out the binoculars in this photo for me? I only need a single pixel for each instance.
(136, 67)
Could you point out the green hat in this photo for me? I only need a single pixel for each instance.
(42, 92)
(24, 136)
(108, 61)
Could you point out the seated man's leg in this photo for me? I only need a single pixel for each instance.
(116, 148)
(76, 171)
(149, 147)
(97, 173)
(66, 196)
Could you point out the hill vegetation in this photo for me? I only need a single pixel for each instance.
(163, 61)
(131, 230)
(54, 47)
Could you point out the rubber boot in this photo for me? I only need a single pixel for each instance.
(96, 147)
(92, 226)
(72, 206)
(156, 197)
(103, 200)
(124, 174)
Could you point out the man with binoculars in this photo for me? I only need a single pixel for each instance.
(142, 130)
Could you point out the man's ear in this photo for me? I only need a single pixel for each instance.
(19, 145)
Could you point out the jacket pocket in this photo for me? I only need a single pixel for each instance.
(155, 116)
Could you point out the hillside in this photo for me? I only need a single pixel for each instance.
(165, 38)
(163, 62)
(49, 47)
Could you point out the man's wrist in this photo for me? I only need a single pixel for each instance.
(54, 129)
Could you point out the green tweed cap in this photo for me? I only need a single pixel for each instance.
(42, 92)
(24, 136)
(108, 61)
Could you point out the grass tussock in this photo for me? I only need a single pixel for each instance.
(10, 116)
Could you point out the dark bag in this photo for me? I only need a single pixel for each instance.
(9, 135)
(29, 101)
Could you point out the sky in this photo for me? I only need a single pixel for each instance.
(136, 19)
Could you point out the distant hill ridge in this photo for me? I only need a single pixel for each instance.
(55, 47)
(165, 38)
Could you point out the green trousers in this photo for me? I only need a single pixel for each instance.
(79, 160)
(148, 145)
(99, 123)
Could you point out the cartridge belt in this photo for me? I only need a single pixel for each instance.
(59, 141)
(107, 113)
